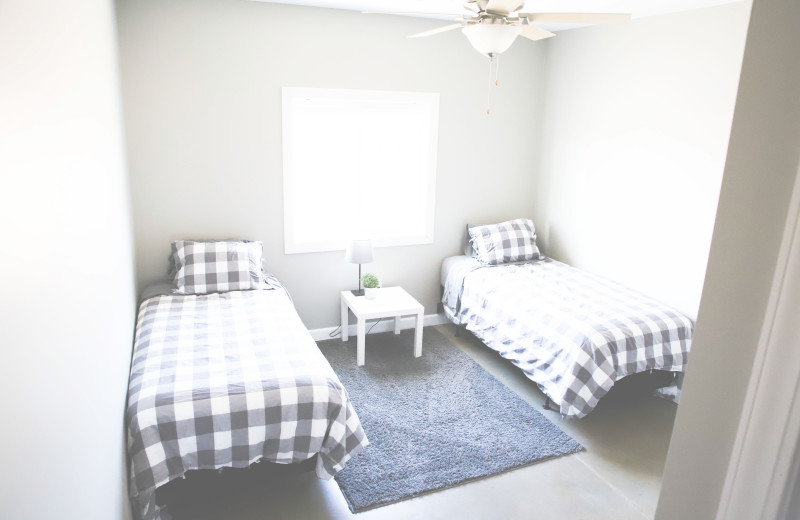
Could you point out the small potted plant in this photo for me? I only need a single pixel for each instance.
(371, 283)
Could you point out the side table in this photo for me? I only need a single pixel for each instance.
(390, 302)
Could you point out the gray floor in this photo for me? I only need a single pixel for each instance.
(617, 477)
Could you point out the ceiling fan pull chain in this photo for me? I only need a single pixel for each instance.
(489, 90)
(497, 72)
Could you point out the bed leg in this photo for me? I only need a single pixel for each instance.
(547, 405)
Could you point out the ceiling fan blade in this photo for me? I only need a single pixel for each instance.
(535, 33)
(593, 18)
(437, 30)
(404, 13)
(504, 7)
(420, 13)
(472, 7)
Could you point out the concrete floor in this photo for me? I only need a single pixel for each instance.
(617, 477)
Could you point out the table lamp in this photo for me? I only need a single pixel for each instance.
(359, 252)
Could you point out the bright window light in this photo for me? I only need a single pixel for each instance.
(358, 164)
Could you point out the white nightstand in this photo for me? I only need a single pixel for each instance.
(390, 302)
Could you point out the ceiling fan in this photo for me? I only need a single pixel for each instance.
(491, 26)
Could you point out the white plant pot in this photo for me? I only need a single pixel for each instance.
(371, 292)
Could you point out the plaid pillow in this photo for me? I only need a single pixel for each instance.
(206, 267)
(468, 243)
(175, 262)
(512, 241)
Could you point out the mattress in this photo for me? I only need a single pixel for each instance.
(572, 332)
(225, 380)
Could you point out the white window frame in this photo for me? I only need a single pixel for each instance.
(424, 105)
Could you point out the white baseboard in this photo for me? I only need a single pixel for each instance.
(386, 325)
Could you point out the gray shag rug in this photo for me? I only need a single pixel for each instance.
(433, 422)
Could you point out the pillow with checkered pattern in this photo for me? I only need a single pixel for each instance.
(217, 266)
(175, 262)
(511, 241)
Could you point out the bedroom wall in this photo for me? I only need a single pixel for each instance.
(635, 132)
(68, 303)
(202, 97)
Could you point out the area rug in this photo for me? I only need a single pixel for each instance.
(433, 422)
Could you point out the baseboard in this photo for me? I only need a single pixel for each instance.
(386, 325)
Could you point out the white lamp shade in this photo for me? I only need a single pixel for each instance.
(359, 252)
(491, 39)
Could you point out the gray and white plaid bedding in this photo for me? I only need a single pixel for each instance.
(572, 332)
(225, 380)
(510, 241)
(217, 266)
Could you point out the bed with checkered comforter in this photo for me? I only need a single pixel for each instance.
(225, 380)
(572, 332)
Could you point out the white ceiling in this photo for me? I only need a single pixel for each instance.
(429, 8)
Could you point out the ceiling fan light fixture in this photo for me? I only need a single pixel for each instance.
(491, 39)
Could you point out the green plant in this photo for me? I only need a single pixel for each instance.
(370, 281)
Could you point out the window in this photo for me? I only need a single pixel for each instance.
(358, 164)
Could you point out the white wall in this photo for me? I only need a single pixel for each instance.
(635, 131)
(66, 269)
(202, 95)
(761, 168)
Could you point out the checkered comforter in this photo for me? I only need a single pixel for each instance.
(574, 333)
(225, 380)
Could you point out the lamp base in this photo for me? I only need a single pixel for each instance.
(357, 292)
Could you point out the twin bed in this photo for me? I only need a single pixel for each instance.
(572, 332)
(224, 374)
